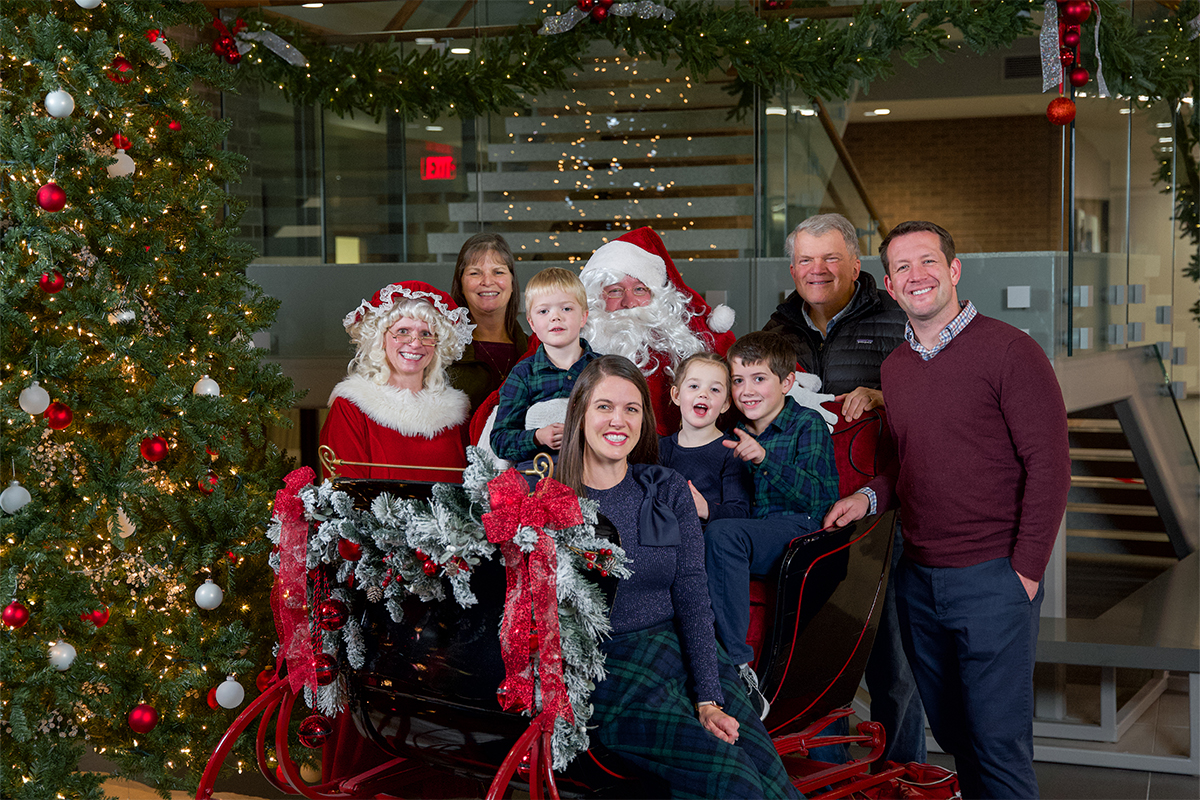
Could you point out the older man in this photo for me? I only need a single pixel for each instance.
(969, 396)
(640, 308)
(840, 324)
(842, 328)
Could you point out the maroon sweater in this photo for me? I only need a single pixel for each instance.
(981, 436)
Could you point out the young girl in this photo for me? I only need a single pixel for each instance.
(718, 479)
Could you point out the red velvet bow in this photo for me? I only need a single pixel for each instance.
(531, 603)
(289, 595)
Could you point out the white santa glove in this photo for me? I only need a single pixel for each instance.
(539, 415)
(804, 391)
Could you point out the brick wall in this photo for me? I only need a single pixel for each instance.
(993, 183)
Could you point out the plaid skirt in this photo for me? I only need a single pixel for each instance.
(644, 712)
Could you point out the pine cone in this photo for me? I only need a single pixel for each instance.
(374, 594)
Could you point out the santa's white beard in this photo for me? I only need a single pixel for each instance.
(644, 335)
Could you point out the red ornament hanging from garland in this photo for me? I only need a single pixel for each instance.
(332, 614)
(265, 678)
(208, 483)
(51, 282)
(58, 415)
(314, 730)
(326, 668)
(212, 699)
(351, 551)
(1079, 76)
(1061, 111)
(121, 142)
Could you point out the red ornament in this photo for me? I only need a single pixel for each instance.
(1070, 37)
(265, 678)
(326, 668)
(351, 551)
(121, 142)
(599, 13)
(175, 126)
(51, 282)
(1060, 111)
(15, 615)
(332, 614)
(585, 5)
(314, 730)
(58, 415)
(143, 718)
(212, 699)
(233, 56)
(208, 483)
(120, 70)
(100, 617)
(51, 197)
(1079, 76)
(430, 567)
(153, 34)
(1075, 12)
(154, 448)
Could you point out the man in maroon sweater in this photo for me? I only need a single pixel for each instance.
(981, 476)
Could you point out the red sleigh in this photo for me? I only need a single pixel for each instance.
(427, 696)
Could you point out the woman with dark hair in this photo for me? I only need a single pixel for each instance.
(486, 284)
(661, 705)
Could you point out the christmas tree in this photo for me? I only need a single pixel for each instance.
(133, 402)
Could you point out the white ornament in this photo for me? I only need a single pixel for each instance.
(122, 166)
(87, 3)
(209, 596)
(207, 386)
(62, 656)
(14, 498)
(121, 316)
(124, 525)
(164, 51)
(230, 694)
(59, 103)
(34, 399)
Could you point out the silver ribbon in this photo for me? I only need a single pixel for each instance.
(1195, 26)
(645, 9)
(273, 42)
(1051, 49)
(1099, 64)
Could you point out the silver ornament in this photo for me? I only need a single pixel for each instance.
(62, 656)
(121, 316)
(123, 526)
(163, 50)
(209, 596)
(14, 498)
(122, 166)
(87, 3)
(206, 386)
(230, 694)
(34, 399)
(59, 103)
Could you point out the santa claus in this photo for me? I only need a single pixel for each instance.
(640, 308)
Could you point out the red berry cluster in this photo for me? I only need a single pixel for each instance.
(601, 559)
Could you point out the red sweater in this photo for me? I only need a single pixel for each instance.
(981, 437)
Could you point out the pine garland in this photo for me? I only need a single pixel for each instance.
(398, 537)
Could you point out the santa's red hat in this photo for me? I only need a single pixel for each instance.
(387, 297)
(641, 254)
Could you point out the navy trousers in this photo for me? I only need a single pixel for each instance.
(971, 638)
(735, 549)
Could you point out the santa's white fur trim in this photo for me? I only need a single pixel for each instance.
(626, 258)
(425, 413)
(721, 319)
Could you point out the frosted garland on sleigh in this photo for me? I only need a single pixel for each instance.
(332, 559)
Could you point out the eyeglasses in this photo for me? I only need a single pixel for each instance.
(617, 292)
(405, 335)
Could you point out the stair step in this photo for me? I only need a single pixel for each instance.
(1131, 536)
(1100, 454)
(1105, 482)
(1094, 425)
(1112, 508)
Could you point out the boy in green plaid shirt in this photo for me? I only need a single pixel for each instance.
(536, 388)
(789, 453)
